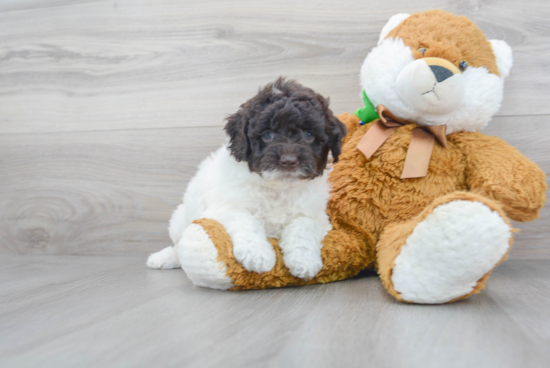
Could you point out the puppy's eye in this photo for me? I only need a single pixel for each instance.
(309, 137)
(422, 50)
(267, 136)
(463, 65)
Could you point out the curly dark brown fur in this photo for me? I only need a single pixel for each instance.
(285, 128)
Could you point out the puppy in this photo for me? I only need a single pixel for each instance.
(267, 182)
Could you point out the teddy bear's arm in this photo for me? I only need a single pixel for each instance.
(499, 171)
(352, 123)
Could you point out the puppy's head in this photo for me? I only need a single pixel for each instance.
(285, 132)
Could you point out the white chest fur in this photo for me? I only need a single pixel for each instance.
(225, 184)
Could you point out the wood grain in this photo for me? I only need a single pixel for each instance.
(106, 107)
(98, 65)
(112, 192)
(96, 193)
(111, 311)
(519, 287)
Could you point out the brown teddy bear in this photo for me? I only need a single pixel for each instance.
(418, 194)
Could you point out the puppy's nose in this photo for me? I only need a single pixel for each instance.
(288, 161)
(441, 73)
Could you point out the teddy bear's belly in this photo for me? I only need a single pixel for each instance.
(369, 194)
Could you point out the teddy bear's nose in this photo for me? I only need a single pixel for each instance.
(441, 73)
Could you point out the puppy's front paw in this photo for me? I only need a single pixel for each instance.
(303, 264)
(256, 256)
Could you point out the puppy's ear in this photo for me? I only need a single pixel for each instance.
(236, 128)
(335, 129)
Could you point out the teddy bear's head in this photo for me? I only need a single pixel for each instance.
(437, 68)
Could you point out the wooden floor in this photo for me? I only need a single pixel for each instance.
(107, 107)
(78, 311)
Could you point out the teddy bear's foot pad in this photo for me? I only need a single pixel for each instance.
(199, 259)
(449, 252)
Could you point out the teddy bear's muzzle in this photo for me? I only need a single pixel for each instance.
(431, 85)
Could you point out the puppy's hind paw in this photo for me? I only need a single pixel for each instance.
(165, 259)
(258, 259)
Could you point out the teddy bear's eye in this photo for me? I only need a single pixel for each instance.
(422, 50)
(463, 65)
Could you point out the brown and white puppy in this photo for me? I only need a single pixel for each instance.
(266, 182)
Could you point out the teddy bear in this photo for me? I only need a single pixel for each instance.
(419, 195)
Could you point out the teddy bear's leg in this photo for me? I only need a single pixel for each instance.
(206, 255)
(200, 259)
(445, 253)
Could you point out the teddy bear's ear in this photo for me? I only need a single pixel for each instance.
(392, 23)
(503, 55)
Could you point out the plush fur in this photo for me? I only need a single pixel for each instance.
(449, 251)
(267, 182)
(198, 251)
(475, 167)
(433, 239)
(442, 35)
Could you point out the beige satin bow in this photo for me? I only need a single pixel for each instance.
(420, 148)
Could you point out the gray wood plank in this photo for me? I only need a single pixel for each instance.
(31, 280)
(362, 326)
(14, 5)
(112, 192)
(92, 66)
(122, 314)
(106, 192)
(109, 287)
(199, 320)
(124, 65)
(106, 108)
(520, 288)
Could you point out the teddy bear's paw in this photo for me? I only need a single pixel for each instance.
(255, 254)
(199, 259)
(165, 259)
(449, 252)
(304, 264)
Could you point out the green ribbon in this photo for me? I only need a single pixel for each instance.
(368, 112)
